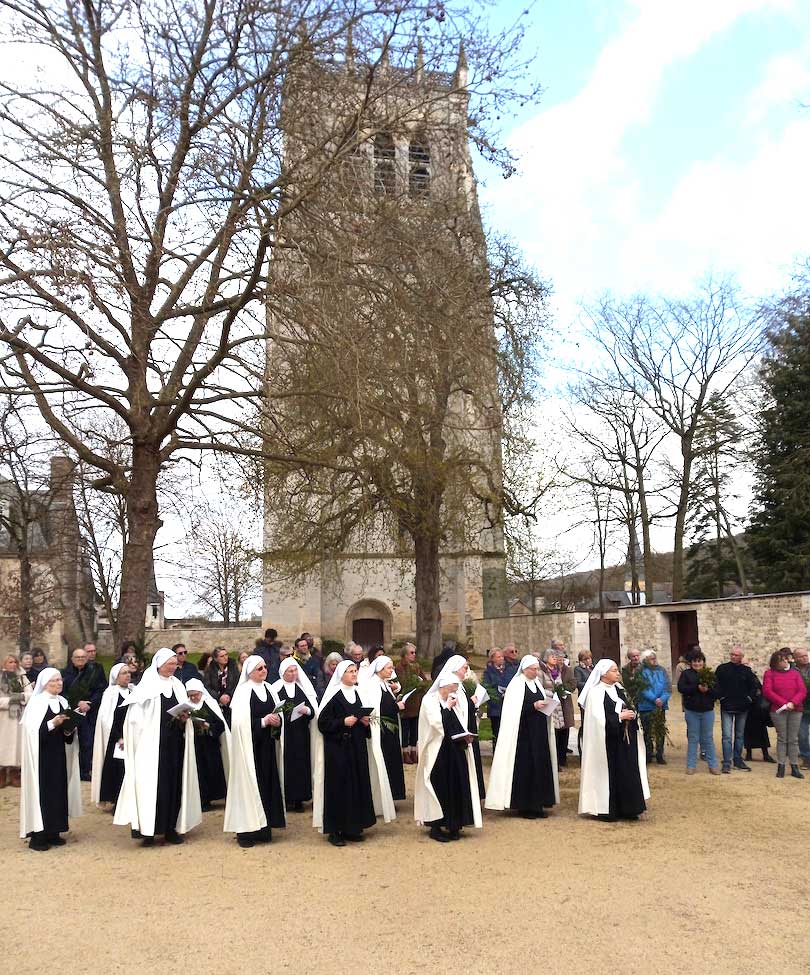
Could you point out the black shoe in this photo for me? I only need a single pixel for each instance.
(206, 807)
(264, 835)
(703, 757)
(136, 834)
(354, 837)
(780, 771)
(39, 843)
(768, 758)
(529, 814)
(455, 835)
(740, 764)
(660, 759)
(85, 778)
(606, 818)
(437, 834)
(726, 770)
(174, 838)
(336, 840)
(55, 840)
(569, 751)
(148, 841)
(748, 756)
(794, 771)
(245, 842)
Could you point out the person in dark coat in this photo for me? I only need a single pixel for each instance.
(185, 669)
(220, 679)
(83, 686)
(269, 650)
(448, 650)
(343, 803)
(757, 723)
(497, 674)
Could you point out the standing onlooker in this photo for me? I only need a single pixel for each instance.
(329, 664)
(203, 662)
(653, 696)
(268, 649)
(632, 665)
(39, 662)
(220, 679)
(308, 659)
(27, 664)
(240, 660)
(15, 690)
(553, 671)
(784, 688)
(698, 708)
(582, 672)
(802, 665)
(497, 674)
(510, 656)
(757, 723)
(409, 672)
(354, 652)
(86, 685)
(185, 669)
(736, 688)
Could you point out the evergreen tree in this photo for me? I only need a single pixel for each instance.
(779, 533)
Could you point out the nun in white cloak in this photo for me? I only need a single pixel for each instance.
(613, 781)
(343, 805)
(295, 690)
(51, 786)
(384, 749)
(255, 803)
(523, 776)
(160, 795)
(211, 743)
(108, 771)
(446, 796)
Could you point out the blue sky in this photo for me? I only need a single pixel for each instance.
(671, 141)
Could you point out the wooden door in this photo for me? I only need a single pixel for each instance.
(604, 636)
(683, 630)
(367, 633)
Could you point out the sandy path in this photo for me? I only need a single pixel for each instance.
(708, 881)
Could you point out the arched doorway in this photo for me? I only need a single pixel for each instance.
(369, 622)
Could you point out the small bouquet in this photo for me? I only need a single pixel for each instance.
(470, 686)
(561, 690)
(281, 710)
(385, 724)
(706, 676)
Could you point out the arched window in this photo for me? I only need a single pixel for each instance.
(385, 174)
(419, 168)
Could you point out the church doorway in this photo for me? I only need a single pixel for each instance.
(368, 633)
(683, 631)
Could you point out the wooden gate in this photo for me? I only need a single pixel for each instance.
(368, 633)
(604, 636)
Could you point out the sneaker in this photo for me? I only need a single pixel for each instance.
(740, 764)
(726, 770)
(795, 773)
(715, 770)
(691, 771)
(660, 760)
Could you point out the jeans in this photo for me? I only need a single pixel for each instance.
(733, 725)
(804, 736)
(787, 735)
(699, 729)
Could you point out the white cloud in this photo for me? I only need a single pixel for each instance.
(785, 83)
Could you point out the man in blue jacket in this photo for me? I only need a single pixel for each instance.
(654, 696)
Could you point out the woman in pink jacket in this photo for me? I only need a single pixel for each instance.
(785, 689)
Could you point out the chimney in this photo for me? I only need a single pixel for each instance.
(62, 469)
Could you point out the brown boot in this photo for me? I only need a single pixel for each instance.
(14, 777)
(414, 755)
(4, 776)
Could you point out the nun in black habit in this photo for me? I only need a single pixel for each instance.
(294, 689)
(211, 741)
(108, 771)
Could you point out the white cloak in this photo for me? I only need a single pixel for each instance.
(30, 809)
(499, 787)
(110, 700)
(371, 692)
(244, 812)
(137, 802)
(594, 783)
(426, 805)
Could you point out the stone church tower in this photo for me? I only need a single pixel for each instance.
(423, 155)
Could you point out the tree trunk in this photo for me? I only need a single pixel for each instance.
(680, 520)
(735, 548)
(142, 527)
(428, 611)
(649, 565)
(26, 595)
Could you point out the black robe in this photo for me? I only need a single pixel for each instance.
(264, 758)
(389, 743)
(53, 776)
(533, 776)
(172, 749)
(348, 806)
(210, 770)
(626, 796)
(450, 777)
(297, 758)
(112, 771)
(472, 726)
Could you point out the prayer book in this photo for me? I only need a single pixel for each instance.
(463, 734)
(298, 712)
(180, 709)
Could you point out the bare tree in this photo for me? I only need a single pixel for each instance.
(142, 193)
(223, 570)
(673, 355)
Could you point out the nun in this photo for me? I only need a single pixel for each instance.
(384, 748)
(210, 743)
(523, 776)
(446, 795)
(294, 689)
(613, 782)
(160, 794)
(108, 770)
(468, 704)
(51, 784)
(343, 804)
(255, 803)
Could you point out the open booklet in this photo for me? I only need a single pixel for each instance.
(550, 705)
(481, 696)
(118, 752)
(180, 709)
(463, 734)
(298, 711)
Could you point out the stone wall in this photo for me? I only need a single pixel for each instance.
(198, 639)
(761, 624)
(533, 632)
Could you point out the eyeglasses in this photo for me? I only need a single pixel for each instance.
(181, 653)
